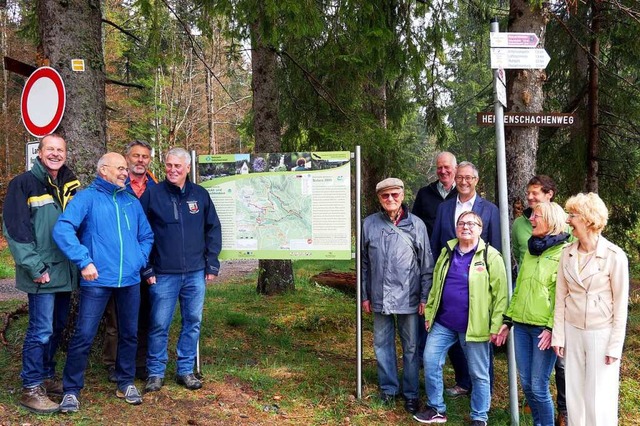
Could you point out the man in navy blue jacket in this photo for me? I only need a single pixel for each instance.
(188, 241)
(444, 230)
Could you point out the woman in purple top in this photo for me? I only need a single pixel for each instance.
(465, 304)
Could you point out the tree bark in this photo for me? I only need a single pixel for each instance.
(274, 276)
(524, 94)
(71, 29)
(594, 131)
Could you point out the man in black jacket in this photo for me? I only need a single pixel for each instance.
(429, 197)
(187, 243)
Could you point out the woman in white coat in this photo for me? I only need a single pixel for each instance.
(590, 318)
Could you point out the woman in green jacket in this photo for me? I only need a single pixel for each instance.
(465, 304)
(531, 309)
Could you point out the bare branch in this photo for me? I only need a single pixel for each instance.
(119, 28)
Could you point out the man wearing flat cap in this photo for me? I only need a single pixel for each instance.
(396, 278)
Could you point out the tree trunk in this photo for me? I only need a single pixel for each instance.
(274, 276)
(5, 84)
(594, 131)
(525, 94)
(72, 29)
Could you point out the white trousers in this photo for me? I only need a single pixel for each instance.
(592, 386)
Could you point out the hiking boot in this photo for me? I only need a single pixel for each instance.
(69, 404)
(456, 391)
(189, 381)
(478, 423)
(154, 383)
(111, 374)
(35, 400)
(412, 405)
(431, 415)
(130, 395)
(53, 386)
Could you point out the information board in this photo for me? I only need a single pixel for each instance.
(281, 205)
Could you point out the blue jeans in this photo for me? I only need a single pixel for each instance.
(534, 367)
(48, 313)
(384, 345)
(189, 288)
(478, 354)
(93, 301)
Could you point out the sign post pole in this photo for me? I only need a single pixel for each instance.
(358, 197)
(504, 229)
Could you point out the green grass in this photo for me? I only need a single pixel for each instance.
(286, 359)
(7, 269)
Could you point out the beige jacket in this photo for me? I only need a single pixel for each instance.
(595, 298)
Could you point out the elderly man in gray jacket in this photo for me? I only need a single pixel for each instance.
(397, 268)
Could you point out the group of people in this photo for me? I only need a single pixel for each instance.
(437, 275)
(135, 247)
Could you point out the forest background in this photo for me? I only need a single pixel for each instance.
(403, 79)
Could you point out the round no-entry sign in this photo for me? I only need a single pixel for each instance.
(43, 101)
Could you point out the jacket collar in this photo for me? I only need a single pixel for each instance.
(64, 174)
(593, 267)
(106, 186)
(174, 189)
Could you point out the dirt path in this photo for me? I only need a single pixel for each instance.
(229, 269)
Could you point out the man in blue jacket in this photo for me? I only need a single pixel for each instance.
(444, 230)
(188, 241)
(106, 234)
(138, 156)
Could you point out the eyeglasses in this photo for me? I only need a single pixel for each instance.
(120, 169)
(395, 195)
(535, 216)
(572, 215)
(470, 225)
(465, 178)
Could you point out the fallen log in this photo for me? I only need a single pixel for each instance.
(8, 318)
(341, 281)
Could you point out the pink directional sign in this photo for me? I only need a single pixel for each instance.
(514, 40)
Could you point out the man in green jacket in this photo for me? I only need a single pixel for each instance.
(33, 203)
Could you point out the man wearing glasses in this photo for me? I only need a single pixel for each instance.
(138, 157)
(444, 230)
(105, 232)
(396, 277)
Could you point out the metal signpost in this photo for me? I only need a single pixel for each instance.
(509, 51)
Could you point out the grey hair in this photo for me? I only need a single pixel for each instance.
(101, 162)
(469, 164)
(447, 154)
(137, 142)
(181, 153)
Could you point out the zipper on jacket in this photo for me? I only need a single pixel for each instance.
(115, 202)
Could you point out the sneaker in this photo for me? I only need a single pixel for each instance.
(431, 415)
(189, 381)
(412, 406)
(35, 400)
(69, 404)
(456, 391)
(53, 386)
(154, 383)
(478, 423)
(111, 374)
(130, 395)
